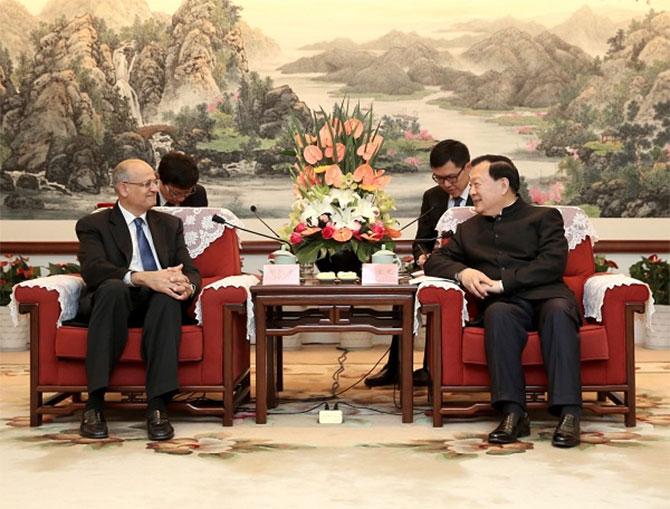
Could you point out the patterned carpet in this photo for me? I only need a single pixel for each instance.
(372, 460)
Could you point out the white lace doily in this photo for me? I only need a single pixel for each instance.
(245, 281)
(575, 222)
(446, 285)
(594, 295)
(199, 229)
(68, 287)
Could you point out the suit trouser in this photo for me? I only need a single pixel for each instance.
(506, 325)
(117, 306)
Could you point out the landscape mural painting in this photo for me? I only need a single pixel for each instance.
(577, 95)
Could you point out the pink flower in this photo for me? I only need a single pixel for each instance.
(412, 161)
(327, 232)
(425, 135)
(295, 238)
(532, 145)
(300, 227)
(555, 193)
(537, 195)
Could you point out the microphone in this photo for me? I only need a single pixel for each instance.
(253, 209)
(415, 220)
(218, 219)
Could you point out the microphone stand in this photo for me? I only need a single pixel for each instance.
(254, 209)
(415, 220)
(218, 219)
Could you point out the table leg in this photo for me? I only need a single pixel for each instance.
(406, 364)
(261, 365)
(272, 372)
(279, 355)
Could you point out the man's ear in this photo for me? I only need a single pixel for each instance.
(504, 184)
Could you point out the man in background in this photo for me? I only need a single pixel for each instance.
(450, 165)
(178, 187)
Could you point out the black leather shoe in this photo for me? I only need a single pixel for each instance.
(567, 432)
(158, 426)
(387, 376)
(93, 424)
(509, 431)
(421, 378)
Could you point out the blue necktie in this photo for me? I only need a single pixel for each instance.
(457, 201)
(148, 261)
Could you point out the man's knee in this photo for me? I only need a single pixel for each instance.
(111, 289)
(558, 309)
(497, 313)
(165, 303)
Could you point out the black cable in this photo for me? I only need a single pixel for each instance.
(359, 407)
(338, 372)
(365, 375)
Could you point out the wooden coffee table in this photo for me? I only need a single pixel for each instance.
(328, 308)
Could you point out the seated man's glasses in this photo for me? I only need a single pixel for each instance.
(146, 184)
(177, 193)
(448, 178)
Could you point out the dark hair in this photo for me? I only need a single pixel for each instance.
(501, 166)
(179, 170)
(449, 150)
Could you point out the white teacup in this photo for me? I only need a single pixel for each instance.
(282, 257)
(385, 256)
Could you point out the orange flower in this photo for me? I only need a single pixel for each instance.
(307, 178)
(355, 126)
(334, 175)
(330, 152)
(312, 154)
(368, 179)
(311, 140)
(342, 234)
(310, 231)
(393, 233)
(324, 135)
(368, 150)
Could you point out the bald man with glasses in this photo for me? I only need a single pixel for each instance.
(138, 273)
(450, 164)
(178, 182)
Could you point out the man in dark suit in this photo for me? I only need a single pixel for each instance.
(178, 186)
(138, 272)
(450, 164)
(512, 256)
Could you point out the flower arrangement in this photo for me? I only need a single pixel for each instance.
(340, 202)
(15, 269)
(603, 264)
(656, 273)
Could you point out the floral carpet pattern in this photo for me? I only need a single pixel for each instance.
(372, 460)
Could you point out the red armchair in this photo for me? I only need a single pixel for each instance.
(458, 357)
(213, 354)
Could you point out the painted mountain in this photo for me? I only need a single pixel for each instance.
(93, 93)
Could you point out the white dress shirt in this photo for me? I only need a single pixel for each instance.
(136, 260)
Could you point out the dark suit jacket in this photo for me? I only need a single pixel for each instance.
(105, 248)
(438, 199)
(197, 199)
(525, 247)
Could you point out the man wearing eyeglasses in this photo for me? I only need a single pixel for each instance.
(138, 273)
(178, 187)
(450, 163)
